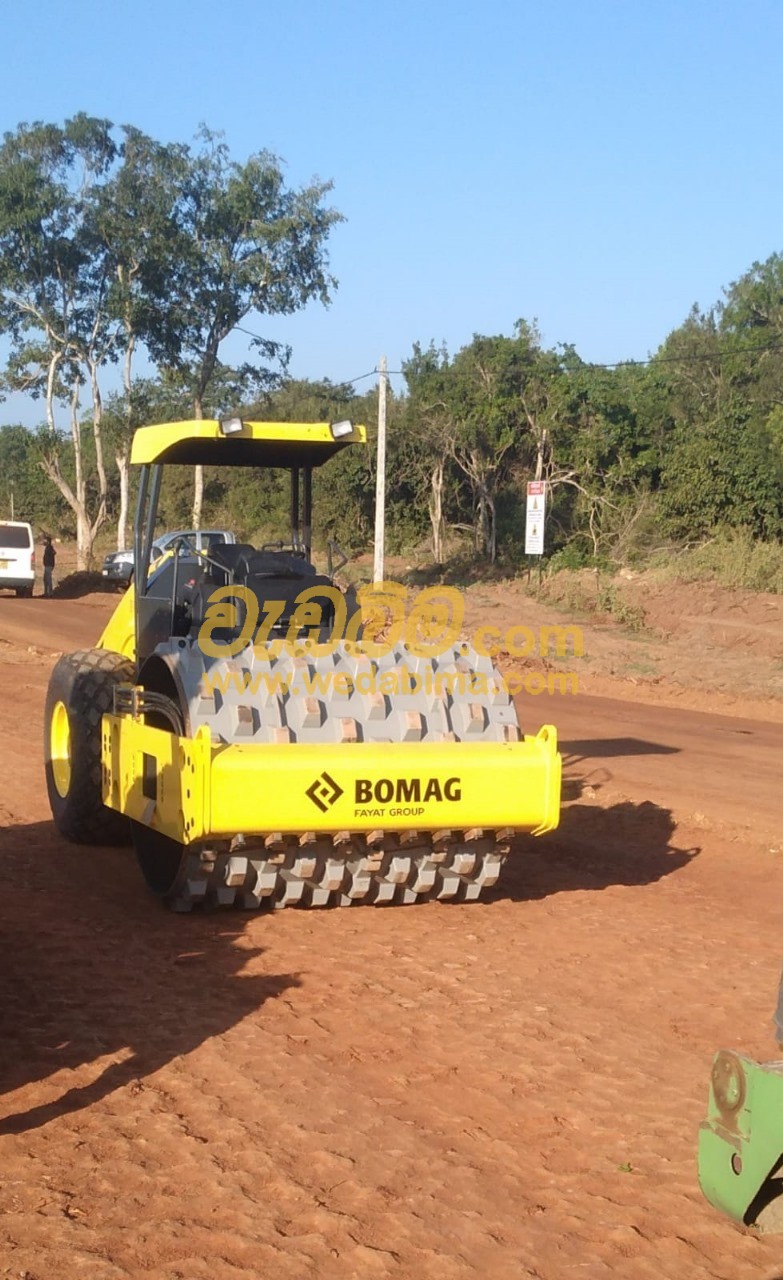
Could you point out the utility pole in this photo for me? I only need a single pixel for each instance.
(380, 476)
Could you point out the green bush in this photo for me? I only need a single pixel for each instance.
(574, 555)
(623, 611)
(733, 559)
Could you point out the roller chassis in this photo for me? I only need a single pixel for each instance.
(260, 773)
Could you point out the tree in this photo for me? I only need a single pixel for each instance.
(25, 493)
(430, 421)
(240, 243)
(107, 244)
(53, 291)
(343, 491)
(132, 227)
(720, 467)
(483, 410)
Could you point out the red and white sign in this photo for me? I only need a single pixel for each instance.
(534, 518)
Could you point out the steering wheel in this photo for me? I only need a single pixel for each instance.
(185, 541)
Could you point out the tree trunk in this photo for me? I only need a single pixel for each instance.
(97, 423)
(84, 532)
(478, 520)
(84, 539)
(123, 467)
(198, 476)
(492, 529)
(436, 510)
(486, 535)
(122, 452)
(78, 501)
(482, 521)
(541, 449)
(198, 495)
(76, 497)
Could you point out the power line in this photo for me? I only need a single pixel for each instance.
(339, 382)
(696, 358)
(347, 382)
(372, 374)
(684, 359)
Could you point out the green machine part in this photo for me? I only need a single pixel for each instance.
(741, 1141)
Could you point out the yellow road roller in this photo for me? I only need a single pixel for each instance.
(266, 739)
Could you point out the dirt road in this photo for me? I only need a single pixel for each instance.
(500, 1090)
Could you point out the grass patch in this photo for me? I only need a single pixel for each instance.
(586, 593)
(641, 669)
(732, 559)
(611, 601)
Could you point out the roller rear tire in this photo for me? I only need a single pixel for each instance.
(81, 690)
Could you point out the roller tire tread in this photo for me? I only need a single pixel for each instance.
(85, 682)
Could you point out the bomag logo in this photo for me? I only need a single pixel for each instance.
(374, 796)
(324, 792)
(406, 790)
(402, 797)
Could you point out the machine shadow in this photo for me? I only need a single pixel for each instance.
(576, 750)
(99, 981)
(594, 848)
(94, 968)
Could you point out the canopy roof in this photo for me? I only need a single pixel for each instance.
(257, 444)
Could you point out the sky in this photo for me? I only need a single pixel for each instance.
(595, 165)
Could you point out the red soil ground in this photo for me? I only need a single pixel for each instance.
(506, 1089)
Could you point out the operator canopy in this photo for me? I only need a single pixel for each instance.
(235, 443)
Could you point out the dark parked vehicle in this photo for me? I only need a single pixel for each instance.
(118, 567)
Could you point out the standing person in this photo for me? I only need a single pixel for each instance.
(49, 559)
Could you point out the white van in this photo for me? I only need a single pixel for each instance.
(17, 557)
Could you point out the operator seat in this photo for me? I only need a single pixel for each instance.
(272, 576)
(269, 587)
(232, 557)
(275, 564)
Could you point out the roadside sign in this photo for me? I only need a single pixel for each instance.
(534, 518)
